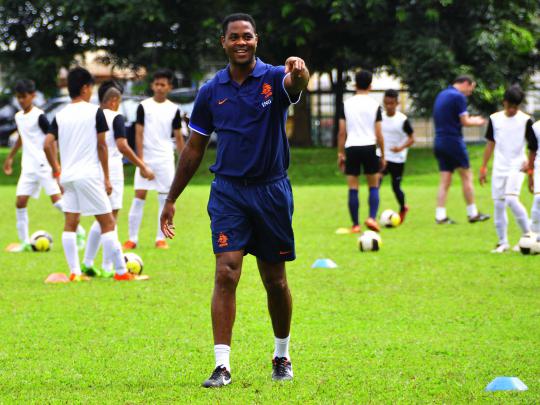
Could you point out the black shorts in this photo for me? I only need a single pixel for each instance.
(394, 169)
(357, 157)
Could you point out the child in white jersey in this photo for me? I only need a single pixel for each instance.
(398, 137)
(32, 126)
(157, 119)
(508, 133)
(110, 96)
(80, 129)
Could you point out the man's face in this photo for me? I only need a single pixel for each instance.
(468, 88)
(25, 100)
(390, 105)
(240, 42)
(161, 87)
(510, 109)
(113, 103)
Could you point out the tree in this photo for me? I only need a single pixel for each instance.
(38, 38)
(492, 40)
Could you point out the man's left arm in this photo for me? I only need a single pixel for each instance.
(297, 75)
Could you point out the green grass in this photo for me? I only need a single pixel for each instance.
(432, 318)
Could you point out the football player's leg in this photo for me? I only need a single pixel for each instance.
(22, 218)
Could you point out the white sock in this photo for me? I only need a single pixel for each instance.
(135, 218)
(69, 242)
(223, 353)
(59, 205)
(107, 262)
(92, 244)
(519, 211)
(472, 211)
(281, 347)
(22, 225)
(161, 202)
(440, 213)
(112, 249)
(500, 219)
(535, 214)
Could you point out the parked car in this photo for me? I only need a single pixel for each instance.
(7, 123)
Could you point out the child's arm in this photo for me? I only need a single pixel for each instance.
(177, 126)
(532, 145)
(139, 130)
(487, 152)
(8, 164)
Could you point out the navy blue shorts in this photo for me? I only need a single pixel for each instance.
(255, 218)
(451, 154)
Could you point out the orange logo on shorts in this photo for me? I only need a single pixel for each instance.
(223, 240)
(266, 90)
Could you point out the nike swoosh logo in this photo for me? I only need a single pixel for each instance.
(222, 101)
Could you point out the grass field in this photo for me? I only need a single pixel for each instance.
(432, 318)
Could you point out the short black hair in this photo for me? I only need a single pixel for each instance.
(391, 93)
(463, 79)
(25, 86)
(237, 17)
(363, 79)
(163, 74)
(76, 79)
(514, 95)
(106, 85)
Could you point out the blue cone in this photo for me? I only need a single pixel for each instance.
(324, 264)
(506, 384)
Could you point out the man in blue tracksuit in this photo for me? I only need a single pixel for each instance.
(450, 115)
(250, 203)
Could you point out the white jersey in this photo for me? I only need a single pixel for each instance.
(510, 134)
(159, 120)
(361, 112)
(32, 128)
(396, 129)
(117, 129)
(76, 128)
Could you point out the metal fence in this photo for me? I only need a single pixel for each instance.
(321, 106)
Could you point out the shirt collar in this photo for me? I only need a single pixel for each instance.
(260, 69)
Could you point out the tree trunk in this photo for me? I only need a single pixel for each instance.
(301, 134)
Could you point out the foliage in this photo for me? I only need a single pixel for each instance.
(492, 40)
(426, 42)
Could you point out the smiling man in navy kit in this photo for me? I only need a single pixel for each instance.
(250, 203)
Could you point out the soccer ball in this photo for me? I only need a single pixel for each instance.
(41, 241)
(134, 263)
(369, 242)
(390, 219)
(527, 244)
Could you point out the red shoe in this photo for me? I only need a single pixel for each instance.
(403, 213)
(128, 245)
(162, 244)
(78, 277)
(127, 276)
(356, 229)
(372, 224)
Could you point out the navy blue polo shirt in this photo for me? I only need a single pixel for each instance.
(449, 106)
(249, 120)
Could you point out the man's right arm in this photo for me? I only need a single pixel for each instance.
(471, 120)
(189, 162)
